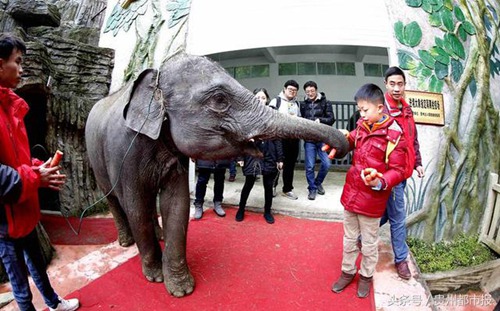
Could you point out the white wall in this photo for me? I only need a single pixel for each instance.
(228, 25)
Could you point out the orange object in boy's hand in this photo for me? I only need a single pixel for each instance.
(332, 152)
(371, 173)
(56, 159)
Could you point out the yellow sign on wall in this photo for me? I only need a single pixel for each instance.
(428, 108)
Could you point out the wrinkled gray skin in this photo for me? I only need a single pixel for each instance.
(201, 112)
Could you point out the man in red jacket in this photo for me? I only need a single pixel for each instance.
(398, 108)
(19, 246)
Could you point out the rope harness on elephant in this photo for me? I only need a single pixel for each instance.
(157, 96)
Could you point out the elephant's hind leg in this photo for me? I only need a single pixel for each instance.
(125, 237)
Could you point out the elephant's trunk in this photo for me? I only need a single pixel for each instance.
(274, 124)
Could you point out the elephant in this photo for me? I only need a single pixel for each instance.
(140, 140)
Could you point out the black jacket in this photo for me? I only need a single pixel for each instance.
(320, 109)
(10, 185)
(273, 153)
(218, 164)
(351, 124)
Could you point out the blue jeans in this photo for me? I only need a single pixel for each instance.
(19, 256)
(312, 149)
(395, 212)
(232, 168)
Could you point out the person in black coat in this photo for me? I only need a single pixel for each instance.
(205, 169)
(318, 109)
(351, 124)
(268, 167)
(10, 185)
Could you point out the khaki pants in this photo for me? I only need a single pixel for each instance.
(354, 226)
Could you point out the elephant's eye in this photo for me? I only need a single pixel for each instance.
(219, 102)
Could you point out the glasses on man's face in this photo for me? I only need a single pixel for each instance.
(291, 89)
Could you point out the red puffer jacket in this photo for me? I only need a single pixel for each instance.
(370, 151)
(22, 216)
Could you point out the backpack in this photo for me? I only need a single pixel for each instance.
(278, 102)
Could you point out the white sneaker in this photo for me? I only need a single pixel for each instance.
(67, 305)
(290, 195)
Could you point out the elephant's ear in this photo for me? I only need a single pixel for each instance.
(144, 112)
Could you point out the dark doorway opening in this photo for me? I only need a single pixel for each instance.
(36, 127)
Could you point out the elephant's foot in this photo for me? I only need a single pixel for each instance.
(180, 285)
(153, 273)
(125, 239)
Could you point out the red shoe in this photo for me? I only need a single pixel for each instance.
(232, 178)
(403, 270)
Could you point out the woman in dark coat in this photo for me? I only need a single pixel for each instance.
(267, 166)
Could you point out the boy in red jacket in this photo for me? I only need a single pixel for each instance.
(379, 163)
(19, 246)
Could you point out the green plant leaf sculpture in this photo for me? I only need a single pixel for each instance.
(464, 59)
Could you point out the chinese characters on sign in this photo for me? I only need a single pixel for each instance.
(428, 108)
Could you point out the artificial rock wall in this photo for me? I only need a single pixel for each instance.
(65, 73)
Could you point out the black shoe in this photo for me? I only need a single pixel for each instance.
(240, 215)
(321, 190)
(269, 218)
(312, 195)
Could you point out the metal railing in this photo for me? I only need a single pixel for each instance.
(343, 112)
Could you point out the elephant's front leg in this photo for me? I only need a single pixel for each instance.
(174, 205)
(140, 208)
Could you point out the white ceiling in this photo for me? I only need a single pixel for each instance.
(271, 54)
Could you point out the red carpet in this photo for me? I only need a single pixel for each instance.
(251, 265)
(93, 231)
